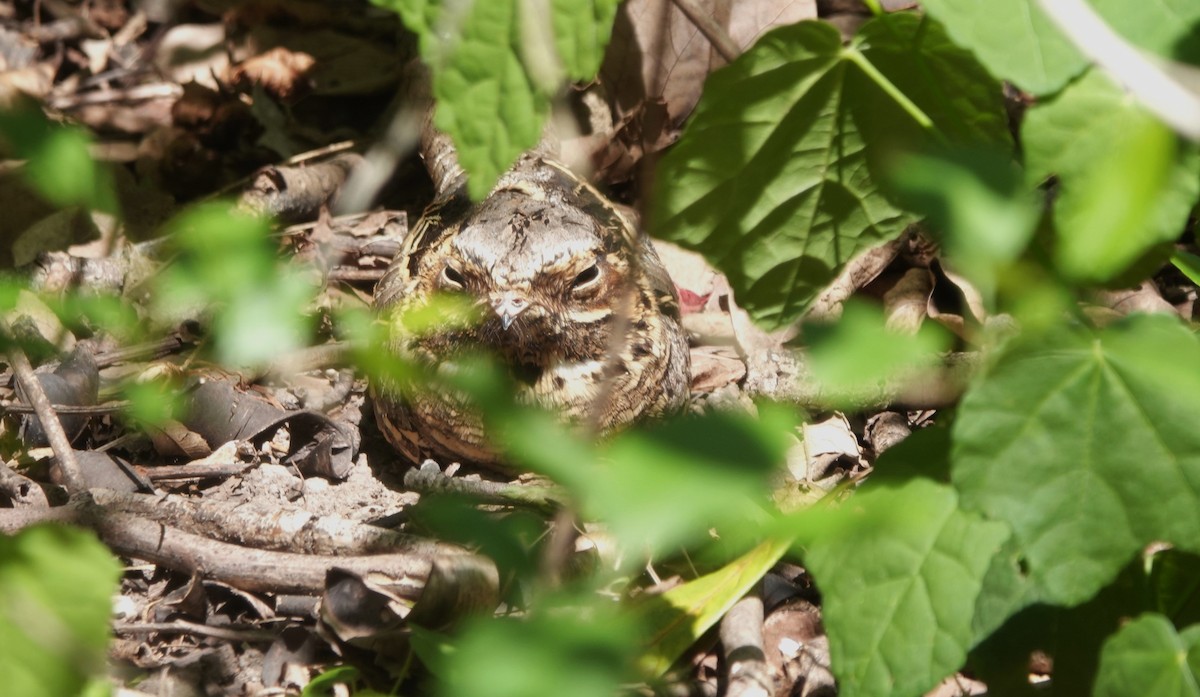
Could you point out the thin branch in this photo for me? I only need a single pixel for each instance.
(428, 479)
(185, 627)
(61, 445)
(742, 642)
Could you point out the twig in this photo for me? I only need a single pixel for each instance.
(344, 273)
(428, 479)
(715, 33)
(282, 530)
(185, 627)
(72, 475)
(22, 491)
(241, 567)
(86, 409)
(162, 90)
(742, 642)
(166, 473)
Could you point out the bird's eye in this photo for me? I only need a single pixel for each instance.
(451, 277)
(586, 277)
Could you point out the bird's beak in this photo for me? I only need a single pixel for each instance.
(507, 305)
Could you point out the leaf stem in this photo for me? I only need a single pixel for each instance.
(856, 57)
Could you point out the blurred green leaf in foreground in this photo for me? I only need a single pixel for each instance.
(56, 590)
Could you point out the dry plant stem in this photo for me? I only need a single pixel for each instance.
(247, 569)
(14, 520)
(343, 273)
(90, 410)
(542, 499)
(185, 627)
(72, 476)
(742, 641)
(168, 473)
(21, 491)
(298, 191)
(560, 547)
(715, 33)
(295, 531)
(331, 149)
(140, 93)
(382, 160)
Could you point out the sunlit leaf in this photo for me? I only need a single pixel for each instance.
(1084, 444)
(227, 265)
(582, 29)
(900, 568)
(58, 162)
(978, 201)
(1017, 42)
(777, 176)
(670, 483)
(572, 645)
(1014, 39)
(856, 356)
(56, 587)
(495, 67)
(677, 618)
(1125, 182)
(1148, 657)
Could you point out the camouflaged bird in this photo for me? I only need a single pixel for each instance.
(576, 304)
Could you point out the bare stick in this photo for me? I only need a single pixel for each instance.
(742, 642)
(185, 627)
(427, 480)
(282, 530)
(61, 445)
(250, 569)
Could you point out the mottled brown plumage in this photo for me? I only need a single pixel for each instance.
(576, 304)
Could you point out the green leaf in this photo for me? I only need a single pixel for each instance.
(59, 164)
(1148, 657)
(1017, 42)
(668, 484)
(855, 357)
(1013, 38)
(496, 66)
(776, 178)
(1187, 263)
(227, 264)
(570, 645)
(677, 618)
(900, 568)
(56, 588)
(582, 29)
(1165, 27)
(979, 203)
(1175, 585)
(488, 99)
(1085, 445)
(1126, 182)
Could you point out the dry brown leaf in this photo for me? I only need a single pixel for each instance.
(1145, 298)
(714, 367)
(342, 64)
(905, 303)
(282, 73)
(859, 272)
(193, 53)
(657, 62)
